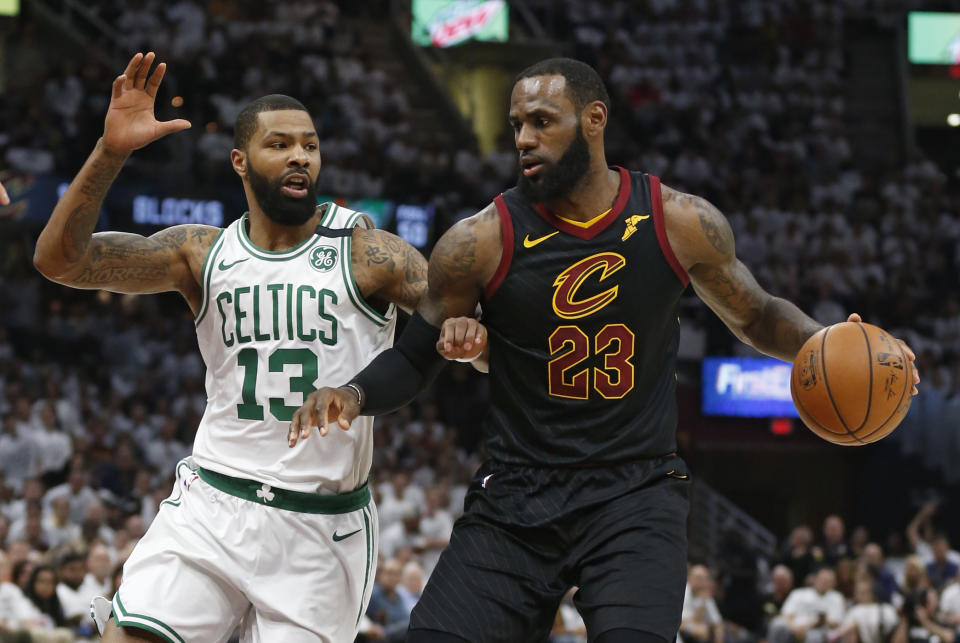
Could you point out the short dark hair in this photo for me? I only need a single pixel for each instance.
(583, 82)
(246, 123)
(72, 556)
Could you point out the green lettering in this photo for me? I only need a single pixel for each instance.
(275, 293)
(289, 311)
(257, 335)
(331, 338)
(225, 296)
(303, 384)
(239, 314)
(313, 294)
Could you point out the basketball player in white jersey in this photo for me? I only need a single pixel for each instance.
(287, 297)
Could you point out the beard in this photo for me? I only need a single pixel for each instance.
(279, 207)
(558, 180)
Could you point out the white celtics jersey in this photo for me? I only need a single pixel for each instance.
(273, 327)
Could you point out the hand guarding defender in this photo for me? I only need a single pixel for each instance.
(340, 405)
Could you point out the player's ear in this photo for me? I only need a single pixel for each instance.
(238, 158)
(593, 119)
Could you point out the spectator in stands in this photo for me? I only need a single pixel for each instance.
(14, 607)
(76, 490)
(387, 607)
(873, 621)
(18, 457)
(57, 526)
(834, 546)
(799, 554)
(940, 570)
(74, 602)
(810, 612)
(885, 585)
(435, 527)
(700, 620)
(411, 584)
(781, 579)
(920, 621)
(98, 581)
(42, 592)
(950, 604)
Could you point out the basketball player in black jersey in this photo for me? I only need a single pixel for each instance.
(579, 271)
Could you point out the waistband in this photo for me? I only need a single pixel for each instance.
(265, 494)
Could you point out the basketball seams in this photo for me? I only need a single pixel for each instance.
(903, 392)
(866, 338)
(826, 384)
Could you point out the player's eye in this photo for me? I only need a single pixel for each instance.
(278, 145)
(542, 122)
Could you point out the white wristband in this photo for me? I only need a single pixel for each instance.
(468, 359)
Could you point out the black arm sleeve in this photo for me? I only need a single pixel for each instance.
(395, 376)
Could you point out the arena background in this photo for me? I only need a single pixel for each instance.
(827, 132)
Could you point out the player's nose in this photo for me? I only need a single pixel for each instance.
(526, 138)
(298, 157)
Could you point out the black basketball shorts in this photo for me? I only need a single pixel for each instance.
(528, 534)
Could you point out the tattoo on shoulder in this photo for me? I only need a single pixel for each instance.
(406, 267)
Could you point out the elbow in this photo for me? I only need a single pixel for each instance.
(47, 265)
(43, 264)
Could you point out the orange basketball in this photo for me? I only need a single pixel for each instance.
(851, 383)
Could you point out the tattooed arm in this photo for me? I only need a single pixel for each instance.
(703, 242)
(388, 268)
(462, 263)
(68, 252)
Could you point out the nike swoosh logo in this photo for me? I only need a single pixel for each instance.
(225, 266)
(528, 243)
(337, 538)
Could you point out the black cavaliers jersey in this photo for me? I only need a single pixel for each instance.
(584, 332)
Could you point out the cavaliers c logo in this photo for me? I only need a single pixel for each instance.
(565, 302)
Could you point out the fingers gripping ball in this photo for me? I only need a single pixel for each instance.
(851, 383)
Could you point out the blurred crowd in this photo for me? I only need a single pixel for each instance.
(739, 101)
(831, 588)
(221, 56)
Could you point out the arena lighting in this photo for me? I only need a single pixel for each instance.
(177, 101)
(953, 120)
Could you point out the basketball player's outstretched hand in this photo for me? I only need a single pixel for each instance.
(462, 338)
(854, 317)
(322, 408)
(4, 199)
(130, 122)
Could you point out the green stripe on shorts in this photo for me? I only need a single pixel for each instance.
(308, 503)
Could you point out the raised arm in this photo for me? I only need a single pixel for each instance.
(703, 242)
(69, 253)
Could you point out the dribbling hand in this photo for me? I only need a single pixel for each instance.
(854, 317)
(339, 405)
(130, 122)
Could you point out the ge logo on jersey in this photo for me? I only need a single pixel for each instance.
(323, 258)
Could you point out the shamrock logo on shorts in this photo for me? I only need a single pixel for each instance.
(265, 494)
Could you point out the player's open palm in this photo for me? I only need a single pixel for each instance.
(130, 122)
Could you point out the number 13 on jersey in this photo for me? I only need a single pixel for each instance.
(570, 346)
